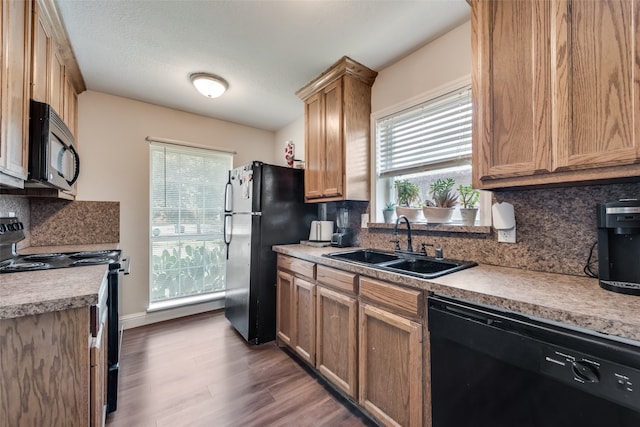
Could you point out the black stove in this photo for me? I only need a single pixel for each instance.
(59, 260)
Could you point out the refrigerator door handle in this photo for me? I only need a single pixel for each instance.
(247, 213)
(228, 196)
(227, 231)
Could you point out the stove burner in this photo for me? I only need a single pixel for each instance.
(25, 266)
(93, 261)
(94, 254)
(42, 257)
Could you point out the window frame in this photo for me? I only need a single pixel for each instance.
(377, 193)
(182, 148)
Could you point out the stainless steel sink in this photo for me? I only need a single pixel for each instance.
(412, 264)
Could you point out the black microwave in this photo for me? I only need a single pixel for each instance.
(53, 160)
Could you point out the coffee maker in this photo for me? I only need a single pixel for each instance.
(619, 246)
(343, 237)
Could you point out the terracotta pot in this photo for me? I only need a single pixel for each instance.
(437, 215)
(412, 214)
(468, 215)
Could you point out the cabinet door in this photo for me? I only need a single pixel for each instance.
(511, 89)
(41, 57)
(333, 137)
(390, 367)
(305, 319)
(16, 48)
(315, 149)
(70, 105)
(597, 80)
(284, 307)
(98, 374)
(336, 339)
(57, 83)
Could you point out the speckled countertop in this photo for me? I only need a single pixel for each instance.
(36, 292)
(568, 299)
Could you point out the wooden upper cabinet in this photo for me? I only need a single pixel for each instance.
(15, 33)
(334, 168)
(555, 88)
(314, 147)
(598, 83)
(41, 57)
(55, 76)
(57, 84)
(337, 135)
(70, 106)
(511, 89)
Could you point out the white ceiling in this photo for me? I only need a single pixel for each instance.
(265, 49)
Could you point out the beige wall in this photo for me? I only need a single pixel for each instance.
(115, 166)
(294, 131)
(442, 61)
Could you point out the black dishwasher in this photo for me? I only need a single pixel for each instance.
(494, 368)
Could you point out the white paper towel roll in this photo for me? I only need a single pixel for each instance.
(503, 216)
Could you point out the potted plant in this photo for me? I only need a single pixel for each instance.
(441, 207)
(470, 198)
(408, 194)
(388, 212)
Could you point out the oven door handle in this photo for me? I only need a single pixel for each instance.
(127, 266)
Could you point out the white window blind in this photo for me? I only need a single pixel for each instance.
(433, 134)
(186, 237)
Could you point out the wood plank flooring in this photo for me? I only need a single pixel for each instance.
(197, 371)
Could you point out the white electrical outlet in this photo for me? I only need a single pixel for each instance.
(507, 236)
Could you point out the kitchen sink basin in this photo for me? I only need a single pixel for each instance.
(367, 256)
(409, 263)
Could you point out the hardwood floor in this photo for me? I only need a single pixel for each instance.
(197, 371)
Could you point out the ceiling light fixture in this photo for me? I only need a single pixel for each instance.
(209, 85)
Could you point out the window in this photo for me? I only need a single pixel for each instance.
(424, 140)
(187, 203)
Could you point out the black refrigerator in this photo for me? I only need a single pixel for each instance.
(264, 206)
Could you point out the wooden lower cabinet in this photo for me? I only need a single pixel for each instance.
(363, 335)
(304, 297)
(295, 315)
(390, 367)
(44, 379)
(337, 339)
(284, 308)
(98, 373)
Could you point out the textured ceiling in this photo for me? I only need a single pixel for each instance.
(265, 49)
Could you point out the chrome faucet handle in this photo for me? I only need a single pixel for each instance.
(423, 248)
(397, 242)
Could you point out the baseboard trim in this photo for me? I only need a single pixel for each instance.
(135, 320)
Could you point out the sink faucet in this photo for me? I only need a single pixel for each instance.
(395, 231)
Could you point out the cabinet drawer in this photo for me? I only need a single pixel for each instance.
(337, 279)
(408, 301)
(297, 266)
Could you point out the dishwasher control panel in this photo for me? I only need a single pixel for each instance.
(611, 381)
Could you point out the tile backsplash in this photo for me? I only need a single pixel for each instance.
(556, 228)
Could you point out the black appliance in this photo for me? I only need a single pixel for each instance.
(343, 237)
(493, 368)
(53, 160)
(619, 246)
(264, 206)
(12, 231)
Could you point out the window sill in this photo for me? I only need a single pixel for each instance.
(185, 301)
(446, 228)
